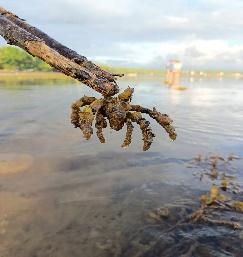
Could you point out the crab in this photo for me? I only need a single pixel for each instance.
(119, 111)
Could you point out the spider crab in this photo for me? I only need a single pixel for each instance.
(119, 111)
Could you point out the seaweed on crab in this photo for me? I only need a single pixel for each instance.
(118, 111)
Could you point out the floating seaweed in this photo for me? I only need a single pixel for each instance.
(218, 169)
(223, 198)
(213, 203)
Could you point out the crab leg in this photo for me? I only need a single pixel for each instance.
(144, 126)
(86, 119)
(128, 138)
(163, 119)
(85, 100)
(100, 125)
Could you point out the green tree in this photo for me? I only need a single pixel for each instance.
(12, 58)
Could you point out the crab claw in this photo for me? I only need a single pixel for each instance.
(126, 95)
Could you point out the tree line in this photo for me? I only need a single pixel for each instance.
(15, 59)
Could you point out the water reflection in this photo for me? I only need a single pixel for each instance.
(64, 196)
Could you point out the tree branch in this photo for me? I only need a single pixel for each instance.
(17, 32)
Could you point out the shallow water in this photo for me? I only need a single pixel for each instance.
(63, 196)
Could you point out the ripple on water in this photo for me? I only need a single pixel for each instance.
(85, 199)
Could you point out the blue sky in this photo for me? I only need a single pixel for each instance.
(204, 34)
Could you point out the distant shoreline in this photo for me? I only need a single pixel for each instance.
(29, 75)
(11, 76)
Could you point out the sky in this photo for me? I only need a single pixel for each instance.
(203, 34)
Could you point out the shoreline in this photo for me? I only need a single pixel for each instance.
(13, 76)
(8, 76)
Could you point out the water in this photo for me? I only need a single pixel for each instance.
(63, 196)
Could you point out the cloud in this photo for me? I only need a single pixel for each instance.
(200, 32)
(192, 52)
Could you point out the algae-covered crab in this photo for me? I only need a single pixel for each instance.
(118, 110)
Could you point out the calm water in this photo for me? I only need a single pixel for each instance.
(62, 196)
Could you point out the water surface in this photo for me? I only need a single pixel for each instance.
(61, 195)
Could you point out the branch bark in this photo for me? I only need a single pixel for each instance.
(19, 33)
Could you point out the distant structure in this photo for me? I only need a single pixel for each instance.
(173, 73)
(132, 74)
(192, 73)
(237, 75)
(221, 74)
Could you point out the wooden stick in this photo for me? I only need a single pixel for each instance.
(19, 33)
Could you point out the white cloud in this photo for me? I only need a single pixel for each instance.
(176, 20)
(202, 33)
